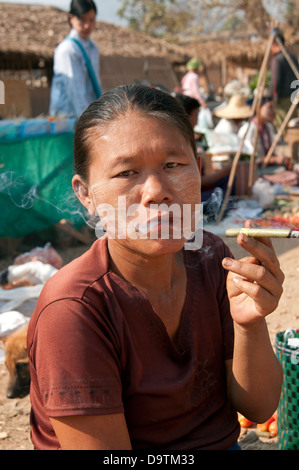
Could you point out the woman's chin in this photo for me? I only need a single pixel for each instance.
(153, 246)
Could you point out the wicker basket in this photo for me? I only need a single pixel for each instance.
(288, 409)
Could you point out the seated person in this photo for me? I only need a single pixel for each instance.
(232, 115)
(191, 106)
(218, 178)
(142, 343)
(266, 131)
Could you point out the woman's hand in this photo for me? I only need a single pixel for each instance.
(254, 283)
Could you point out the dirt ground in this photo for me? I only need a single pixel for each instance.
(14, 413)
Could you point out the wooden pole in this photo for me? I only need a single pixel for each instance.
(292, 108)
(256, 133)
(232, 177)
(287, 56)
(263, 71)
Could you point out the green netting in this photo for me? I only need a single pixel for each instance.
(35, 184)
(288, 409)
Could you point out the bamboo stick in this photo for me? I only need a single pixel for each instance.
(256, 133)
(292, 108)
(287, 56)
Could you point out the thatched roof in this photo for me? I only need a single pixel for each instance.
(214, 52)
(34, 30)
(242, 52)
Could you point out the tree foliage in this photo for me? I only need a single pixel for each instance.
(175, 18)
(167, 18)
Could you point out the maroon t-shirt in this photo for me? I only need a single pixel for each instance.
(96, 346)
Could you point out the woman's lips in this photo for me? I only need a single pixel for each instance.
(157, 223)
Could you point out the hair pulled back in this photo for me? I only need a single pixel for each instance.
(116, 103)
(79, 8)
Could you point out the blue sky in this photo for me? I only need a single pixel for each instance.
(106, 8)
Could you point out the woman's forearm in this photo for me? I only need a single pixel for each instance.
(256, 373)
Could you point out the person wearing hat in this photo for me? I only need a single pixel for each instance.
(266, 132)
(232, 115)
(190, 82)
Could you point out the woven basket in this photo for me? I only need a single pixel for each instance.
(288, 409)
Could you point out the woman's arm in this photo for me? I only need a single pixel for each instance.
(254, 375)
(99, 432)
(254, 287)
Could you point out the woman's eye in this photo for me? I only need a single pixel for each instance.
(125, 174)
(171, 165)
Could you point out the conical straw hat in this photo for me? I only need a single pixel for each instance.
(237, 108)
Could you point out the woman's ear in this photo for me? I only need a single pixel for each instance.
(199, 163)
(83, 193)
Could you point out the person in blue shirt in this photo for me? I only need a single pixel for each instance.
(76, 81)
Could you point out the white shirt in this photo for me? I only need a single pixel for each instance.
(226, 126)
(72, 90)
(261, 150)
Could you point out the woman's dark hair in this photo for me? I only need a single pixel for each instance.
(80, 7)
(116, 103)
(188, 103)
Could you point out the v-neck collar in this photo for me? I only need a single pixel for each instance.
(138, 297)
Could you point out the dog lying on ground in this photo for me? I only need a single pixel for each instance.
(17, 363)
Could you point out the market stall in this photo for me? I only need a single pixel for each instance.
(36, 168)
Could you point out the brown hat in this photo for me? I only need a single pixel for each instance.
(237, 108)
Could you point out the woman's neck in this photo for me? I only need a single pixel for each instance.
(146, 272)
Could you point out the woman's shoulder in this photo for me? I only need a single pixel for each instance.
(73, 279)
(65, 294)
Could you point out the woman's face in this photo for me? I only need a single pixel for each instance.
(145, 181)
(267, 112)
(84, 25)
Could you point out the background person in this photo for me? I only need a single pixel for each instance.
(282, 77)
(232, 115)
(217, 179)
(266, 132)
(191, 106)
(72, 88)
(190, 82)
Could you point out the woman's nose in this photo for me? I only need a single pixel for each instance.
(154, 191)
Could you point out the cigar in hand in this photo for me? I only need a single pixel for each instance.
(263, 232)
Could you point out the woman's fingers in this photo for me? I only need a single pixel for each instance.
(254, 273)
(254, 282)
(265, 301)
(262, 250)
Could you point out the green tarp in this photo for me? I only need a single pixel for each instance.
(35, 184)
